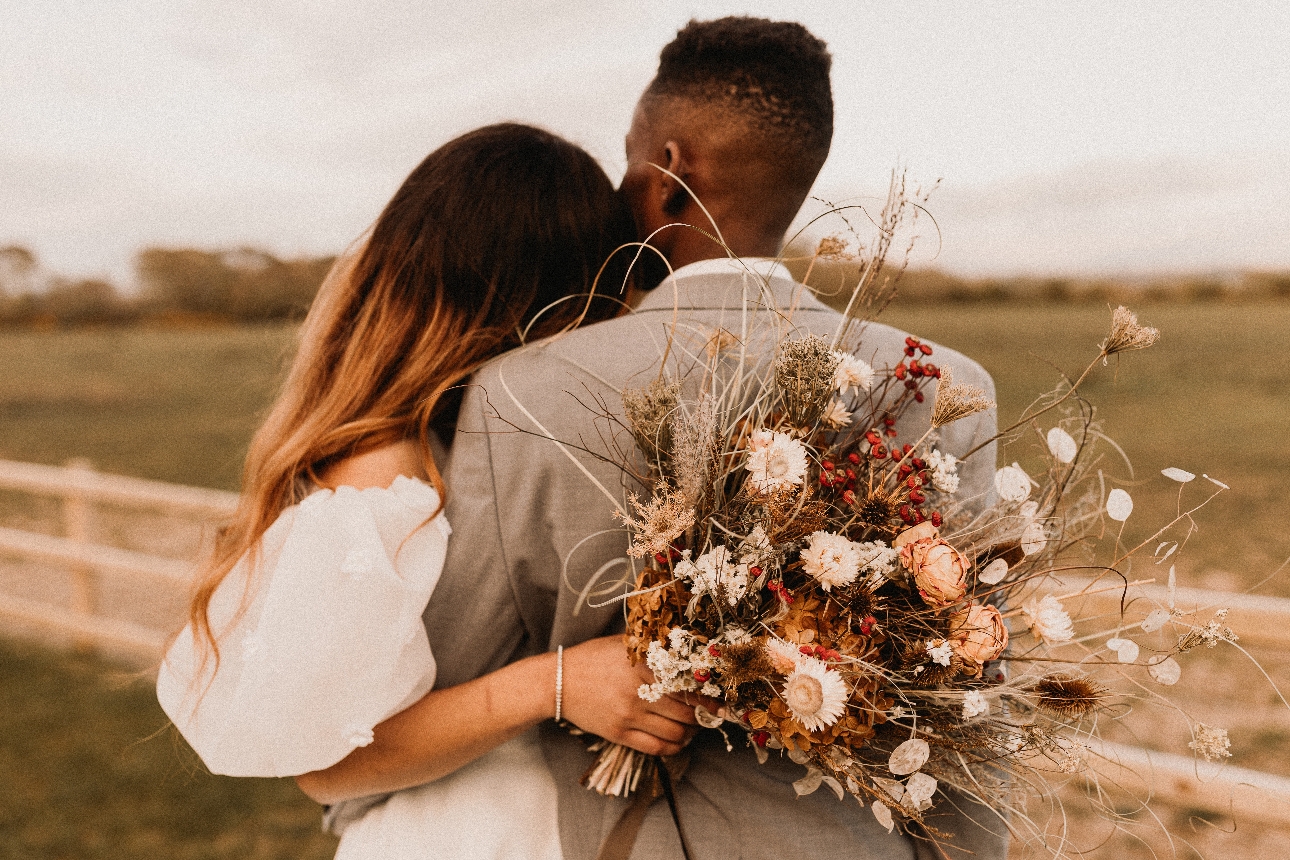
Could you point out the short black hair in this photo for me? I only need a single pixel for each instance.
(774, 74)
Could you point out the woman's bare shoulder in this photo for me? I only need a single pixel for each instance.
(376, 468)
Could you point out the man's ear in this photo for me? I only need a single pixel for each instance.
(675, 197)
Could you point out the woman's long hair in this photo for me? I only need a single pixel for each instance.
(495, 227)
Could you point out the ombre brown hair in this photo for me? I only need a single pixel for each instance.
(497, 237)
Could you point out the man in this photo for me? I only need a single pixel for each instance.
(740, 118)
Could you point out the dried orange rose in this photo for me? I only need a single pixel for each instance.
(978, 634)
(939, 570)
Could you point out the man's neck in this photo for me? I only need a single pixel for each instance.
(693, 246)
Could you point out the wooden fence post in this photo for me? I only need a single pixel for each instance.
(78, 526)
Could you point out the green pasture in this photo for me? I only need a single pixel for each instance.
(1212, 397)
(88, 767)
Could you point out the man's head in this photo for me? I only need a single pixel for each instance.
(741, 111)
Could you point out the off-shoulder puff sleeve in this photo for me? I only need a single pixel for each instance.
(320, 634)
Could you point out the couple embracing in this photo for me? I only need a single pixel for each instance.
(403, 613)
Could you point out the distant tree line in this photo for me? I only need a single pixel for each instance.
(833, 279)
(190, 285)
(176, 285)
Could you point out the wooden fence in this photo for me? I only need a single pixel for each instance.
(1259, 620)
(81, 490)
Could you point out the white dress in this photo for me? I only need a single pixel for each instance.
(320, 639)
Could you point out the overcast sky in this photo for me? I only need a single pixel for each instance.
(1075, 137)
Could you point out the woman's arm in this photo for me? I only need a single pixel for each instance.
(449, 728)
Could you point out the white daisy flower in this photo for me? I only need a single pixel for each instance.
(1049, 620)
(784, 656)
(832, 559)
(837, 416)
(815, 695)
(851, 374)
(775, 460)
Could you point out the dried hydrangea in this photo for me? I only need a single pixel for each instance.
(1212, 743)
(658, 523)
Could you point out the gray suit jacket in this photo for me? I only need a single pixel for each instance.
(533, 536)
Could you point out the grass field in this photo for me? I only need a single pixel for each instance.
(1213, 396)
(87, 767)
(90, 769)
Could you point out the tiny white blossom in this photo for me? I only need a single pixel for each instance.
(940, 651)
(945, 475)
(877, 559)
(851, 374)
(974, 705)
(716, 573)
(837, 416)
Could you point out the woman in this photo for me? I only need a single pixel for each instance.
(305, 653)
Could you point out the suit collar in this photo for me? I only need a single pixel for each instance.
(726, 283)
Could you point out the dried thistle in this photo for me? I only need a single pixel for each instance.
(695, 449)
(1211, 743)
(1127, 334)
(649, 411)
(661, 521)
(957, 401)
(804, 373)
(877, 509)
(745, 662)
(1067, 696)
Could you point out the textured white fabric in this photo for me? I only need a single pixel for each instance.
(501, 806)
(319, 640)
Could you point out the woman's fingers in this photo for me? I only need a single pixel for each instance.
(672, 709)
(649, 744)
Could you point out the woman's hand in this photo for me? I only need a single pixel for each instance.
(600, 696)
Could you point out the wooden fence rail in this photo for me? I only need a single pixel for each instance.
(1257, 619)
(81, 489)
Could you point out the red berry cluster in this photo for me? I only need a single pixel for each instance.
(867, 625)
(915, 475)
(673, 555)
(820, 652)
(912, 372)
(778, 589)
